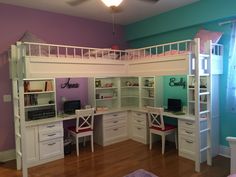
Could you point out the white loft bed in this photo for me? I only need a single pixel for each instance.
(50, 60)
(34, 60)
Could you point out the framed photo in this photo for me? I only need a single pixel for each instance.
(98, 83)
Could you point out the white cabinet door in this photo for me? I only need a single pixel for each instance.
(139, 127)
(186, 139)
(32, 145)
(51, 148)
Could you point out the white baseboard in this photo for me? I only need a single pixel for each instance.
(225, 151)
(7, 155)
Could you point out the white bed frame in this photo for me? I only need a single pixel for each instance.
(29, 60)
(94, 62)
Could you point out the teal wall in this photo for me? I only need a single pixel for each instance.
(176, 92)
(183, 23)
(200, 12)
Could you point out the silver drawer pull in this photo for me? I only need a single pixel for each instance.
(115, 115)
(138, 114)
(188, 141)
(139, 121)
(187, 123)
(115, 121)
(188, 132)
(115, 129)
(50, 126)
(139, 128)
(51, 144)
(52, 134)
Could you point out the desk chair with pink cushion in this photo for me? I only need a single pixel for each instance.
(157, 126)
(84, 126)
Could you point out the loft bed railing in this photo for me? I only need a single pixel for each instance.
(217, 49)
(172, 48)
(67, 51)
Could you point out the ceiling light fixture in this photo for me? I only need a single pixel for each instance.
(112, 3)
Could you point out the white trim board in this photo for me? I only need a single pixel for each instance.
(7, 155)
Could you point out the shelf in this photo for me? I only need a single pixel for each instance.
(146, 87)
(149, 98)
(41, 92)
(104, 99)
(105, 88)
(129, 96)
(37, 106)
(130, 87)
(200, 89)
(201, 102)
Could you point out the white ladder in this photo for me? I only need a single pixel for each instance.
(203, 106)
(18, 108)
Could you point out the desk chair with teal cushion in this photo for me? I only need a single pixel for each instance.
(157, 126)
(84, 126)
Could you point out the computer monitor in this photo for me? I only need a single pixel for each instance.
(174, 105)
(71, 106)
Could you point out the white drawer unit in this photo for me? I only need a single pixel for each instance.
(186, 146)
(44, 143)
(111, 128)
(114, 122)
(186, 124)
(115, 132)
(51, 148)
(186, 138)
(139, 127)
(48, 135)
(114, 116)
(51, 126)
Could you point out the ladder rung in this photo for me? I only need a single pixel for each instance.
(19, 153)
(204, 55)
(204, 75)
(17, 116)
(204, 93)
(205, 148)
(204, 112)
(18, 135)
(16, 98)
(204, 130)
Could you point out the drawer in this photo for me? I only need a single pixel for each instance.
(186, 131)
(186, 144)
(51, 126)
(48, 135)
(139, 114)
(139, 120)
(139, 131)
(115, 132)
(51, 148)
(186, 124)
(113, 122)
(114, 115)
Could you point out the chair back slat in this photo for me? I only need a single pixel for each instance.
(84, 119)
(155, 117)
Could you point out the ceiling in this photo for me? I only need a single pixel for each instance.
(133, 10)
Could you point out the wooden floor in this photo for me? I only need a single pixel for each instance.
(121, 159)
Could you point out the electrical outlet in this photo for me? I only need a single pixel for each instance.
(6, 98)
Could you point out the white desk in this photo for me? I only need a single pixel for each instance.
(65, 117)
(122, 121)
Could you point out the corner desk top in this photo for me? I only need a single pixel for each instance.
(64, 117)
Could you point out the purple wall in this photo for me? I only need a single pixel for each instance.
(80, 93)
(53, 28)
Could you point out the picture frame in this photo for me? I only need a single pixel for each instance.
(98, 83)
